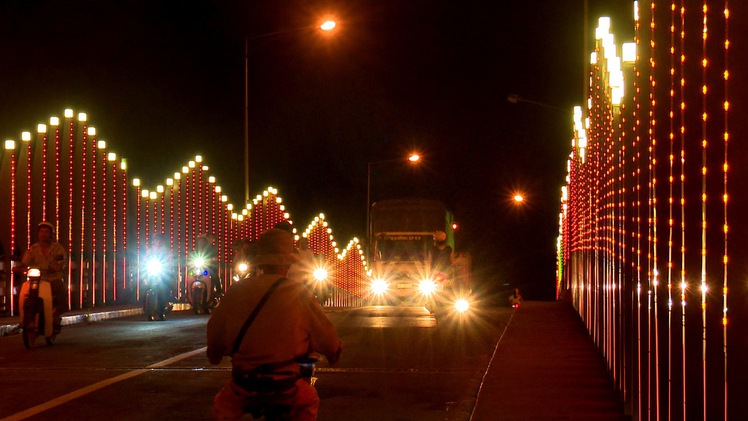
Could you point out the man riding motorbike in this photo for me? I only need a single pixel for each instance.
(160, 275)
(288, 326)
(50, 258)
(208, 251)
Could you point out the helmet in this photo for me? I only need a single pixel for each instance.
(440, 236)
(46, 225)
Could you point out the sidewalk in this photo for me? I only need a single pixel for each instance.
(546, 367)
(9, 325)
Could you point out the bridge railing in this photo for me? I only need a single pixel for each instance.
(106, 219)
(645, 218)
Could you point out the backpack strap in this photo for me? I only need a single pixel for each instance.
(252, 316)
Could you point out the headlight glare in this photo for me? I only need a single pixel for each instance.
(427, 287)
(379, 286)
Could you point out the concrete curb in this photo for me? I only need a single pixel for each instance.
(94, 315)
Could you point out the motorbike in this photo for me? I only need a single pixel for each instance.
(445, 299)
(265, 408)
(319, 285)
(241, 271)
(200, 292)
(36, 309)
(156, 303)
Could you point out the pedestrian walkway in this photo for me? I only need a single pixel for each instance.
(9, 325)
(546, 367)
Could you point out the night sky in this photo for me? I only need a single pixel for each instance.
(163, 81)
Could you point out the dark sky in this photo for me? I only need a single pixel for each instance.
(163, 81)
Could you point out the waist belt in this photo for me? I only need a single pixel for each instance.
(263, 380)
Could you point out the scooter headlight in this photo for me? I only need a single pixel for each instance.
(153, 267)
(243, 267)
(379, 286)
(34, 273)
(462, 305)
(427, 287)
(198, 263)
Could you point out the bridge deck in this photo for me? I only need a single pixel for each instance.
(546, 367)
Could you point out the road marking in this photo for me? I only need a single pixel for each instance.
(490, 364)
(96, 386)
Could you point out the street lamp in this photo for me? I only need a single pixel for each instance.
(327, 26)
(412, 159)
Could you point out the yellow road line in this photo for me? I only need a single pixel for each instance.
(96, 386)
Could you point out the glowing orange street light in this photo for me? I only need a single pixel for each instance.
(328, 25)
(518, 198)
(413, 158)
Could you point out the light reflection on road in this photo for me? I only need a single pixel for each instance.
(391, 316)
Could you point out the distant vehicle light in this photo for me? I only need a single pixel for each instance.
(320, 274)
(379, 286)
(243, 267)
(198, 263)
(153, 267)
(462, 305)
(427, 287)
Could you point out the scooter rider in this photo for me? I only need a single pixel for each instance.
(207, 249)
(51, 258)
(289, 326)
(441, 256)
(160, 250)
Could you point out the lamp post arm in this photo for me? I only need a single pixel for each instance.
(246, 120)
(368, 207)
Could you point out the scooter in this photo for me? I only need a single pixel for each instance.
(241, 271)
(36, 309)
(200, 292)
(319, 285)
(156, 303)
(268, 410)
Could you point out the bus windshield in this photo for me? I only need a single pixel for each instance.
(403, 248)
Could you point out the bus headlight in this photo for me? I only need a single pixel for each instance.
(462, 305)
(427, 287)
(379, 286)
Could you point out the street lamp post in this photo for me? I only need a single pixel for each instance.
(327, 26)
(412, 158)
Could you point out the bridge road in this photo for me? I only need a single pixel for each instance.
(396, 366)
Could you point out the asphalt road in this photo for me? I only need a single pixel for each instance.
(398, 364)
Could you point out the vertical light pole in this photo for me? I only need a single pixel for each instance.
(327, 26)
(412, 158)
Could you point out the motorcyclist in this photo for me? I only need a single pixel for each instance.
(244, 253)
(303, 270)
(164, 281)
(289, 326)
(515, 298)
(207, 249)
(441, 257)
(51, 258)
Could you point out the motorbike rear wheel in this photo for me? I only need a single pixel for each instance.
(198, 300)
(33, 320)
(151, 305)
